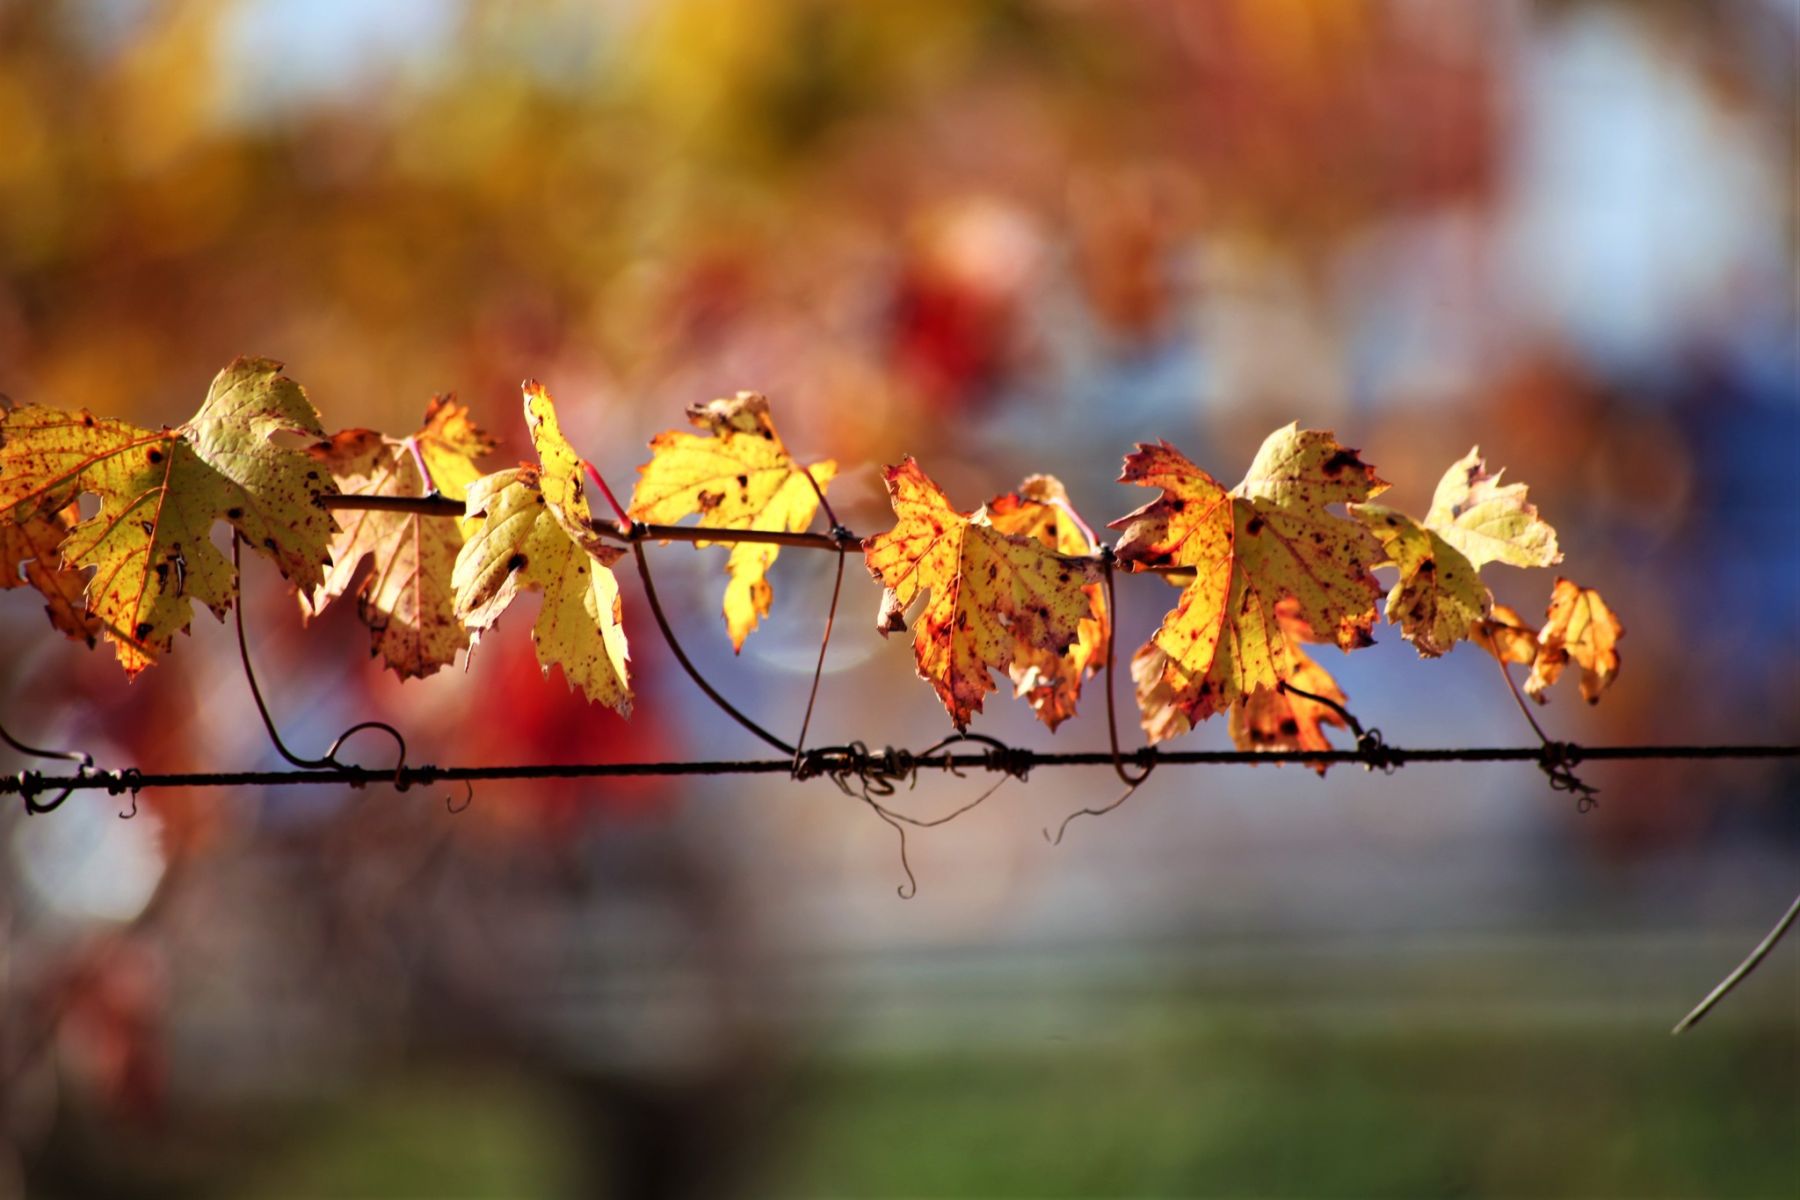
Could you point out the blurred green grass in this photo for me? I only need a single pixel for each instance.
(1262, 1111)
(1234, 1108)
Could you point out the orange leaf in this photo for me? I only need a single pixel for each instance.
(1506, 636)
(1051, 682)
(991, 592)
(1577, 626)
(29, 555)
(1268, 541)
(1277, 719)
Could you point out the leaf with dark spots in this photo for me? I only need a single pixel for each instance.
(530, 530)
(160, 490)
(1276, 719)
(976, 621)
(1268, 545)
(1439, 598)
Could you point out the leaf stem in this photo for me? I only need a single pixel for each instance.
(625, 520)
(1349, 717)
(330, 760)
(662, 623)
(1557, 763)
(812, 694)
(1112, 722)
(824, 504)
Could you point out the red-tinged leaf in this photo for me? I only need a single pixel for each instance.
(989, 592)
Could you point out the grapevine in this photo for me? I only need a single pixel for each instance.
(1021, 587)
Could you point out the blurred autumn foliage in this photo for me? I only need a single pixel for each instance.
(1005, 236)
(627, 192)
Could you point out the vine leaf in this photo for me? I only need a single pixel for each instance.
(1269, 539)
(1578, 626)
(406, 599)
(1489, 521)
(990, 592)
(1278, 719)
(739, 477)
(1269, 718)
(1505, 635)
(1439, 599)
(1051, 682)
(531, 531)
(29, 555)
(160, 493)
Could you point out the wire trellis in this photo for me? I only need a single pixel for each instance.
(863, 773)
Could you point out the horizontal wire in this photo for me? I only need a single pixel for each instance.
(851, 761)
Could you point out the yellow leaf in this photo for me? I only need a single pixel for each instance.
(29, 555)
(450, 442)
(1439, 596)
(559, 467)
(1051, 682)
(739, 477)
(406, 599)
(532, 533)
(1268, 540)
(990, 592)
(160, 493)
(1577, 626)
(1489, 521)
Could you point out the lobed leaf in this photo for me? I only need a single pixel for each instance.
(161, 492)
(1578, 625)
(1265, 554)
(1488, 521)
(1438, 597)
(406, 600)
(990, 592)
(1048, 681)
(532, 532)
(739, 476)
(1278, 719)
(1506, 636)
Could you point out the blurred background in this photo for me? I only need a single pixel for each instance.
(1004, 236)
